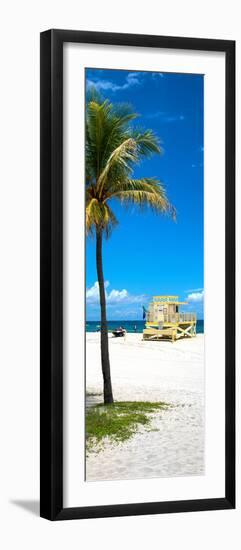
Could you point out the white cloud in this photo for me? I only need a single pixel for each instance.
(193, 290)
(156, 114)
(116, 296)
(92, 293)
(174, 118)
(112, 297)
(157, 75)
(131, 79)
(166, 117)
(196, 296)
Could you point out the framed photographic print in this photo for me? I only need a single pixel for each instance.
(137, 274)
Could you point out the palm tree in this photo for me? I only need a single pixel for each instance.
(113, 147)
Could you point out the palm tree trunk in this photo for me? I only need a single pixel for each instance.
(105, 360)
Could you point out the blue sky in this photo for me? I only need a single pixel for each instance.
(149, 254)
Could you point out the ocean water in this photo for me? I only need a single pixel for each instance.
(130, 326)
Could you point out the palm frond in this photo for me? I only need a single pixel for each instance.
(92, 214)
(145, 192)
(97, 115)
(147, 142)
(112, 222)
(113, 147)
(122, 156)
(99, 216)
(128, 184)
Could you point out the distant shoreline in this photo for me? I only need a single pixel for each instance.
(130, 326)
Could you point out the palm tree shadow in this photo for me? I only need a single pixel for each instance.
(31, 506)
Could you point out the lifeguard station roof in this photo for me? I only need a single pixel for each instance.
(167, 299)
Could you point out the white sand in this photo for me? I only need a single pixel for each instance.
(152, 371)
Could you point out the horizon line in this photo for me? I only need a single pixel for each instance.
(111, 320)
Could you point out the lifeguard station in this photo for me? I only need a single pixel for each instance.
(165, 321)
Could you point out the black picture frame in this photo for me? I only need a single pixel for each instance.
(51, 323)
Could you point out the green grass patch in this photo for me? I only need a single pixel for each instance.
(118, 421)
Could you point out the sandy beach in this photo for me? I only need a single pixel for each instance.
(151, 371)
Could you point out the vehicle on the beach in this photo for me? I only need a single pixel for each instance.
(165, 321)
(119, 332)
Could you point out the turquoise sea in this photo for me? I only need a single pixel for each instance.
(130, 326)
